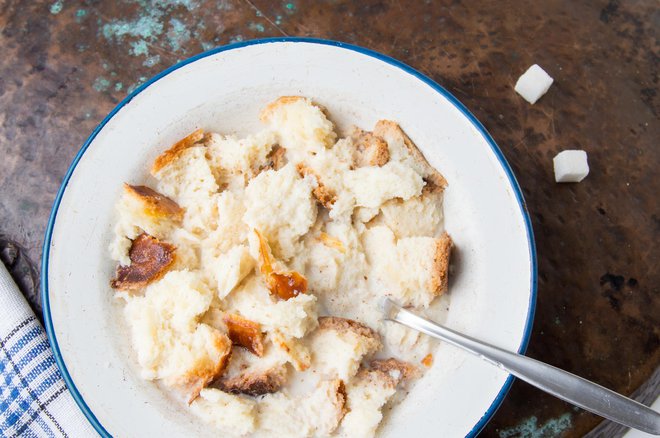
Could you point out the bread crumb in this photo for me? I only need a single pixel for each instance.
(403, 149)
(366, 396)
(414, 270)
(317, 413)
(417, 216)
(170, 342)
(232, 156)
(294, 317)
(282, 219)
(372, 186)
(339, 345)
(300, 125)
(227, 412)
(231, 268)
(294, 350)
(397, 369)
(325, 196)
(370, 150)
(428, 360)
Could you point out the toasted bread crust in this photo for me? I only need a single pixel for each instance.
(332, 242)
(255, 384)
(339, 401)
(376, 377)
(283, 284)
(276, 158)
(431, 187)
(245, 333)
(150, 259)
(434, 179)
(371, 150)
(325, 196)
(405, 369)
(440, 276)
(200, 377)
(155, 204)
(267, 112)
(347, 325)
(427, 361)
(176, 150)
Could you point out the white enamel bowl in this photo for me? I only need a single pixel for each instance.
(493, 287)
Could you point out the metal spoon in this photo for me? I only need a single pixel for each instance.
(560, 383)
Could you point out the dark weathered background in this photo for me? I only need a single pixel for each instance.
(65, 64)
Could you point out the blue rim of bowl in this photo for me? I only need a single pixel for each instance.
(48, 321)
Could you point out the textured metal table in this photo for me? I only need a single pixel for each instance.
(65, 64)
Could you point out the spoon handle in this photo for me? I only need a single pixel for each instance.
(560, 383)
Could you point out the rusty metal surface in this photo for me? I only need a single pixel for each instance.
(65, 64)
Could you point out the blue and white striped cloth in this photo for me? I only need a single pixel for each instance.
(34, 401)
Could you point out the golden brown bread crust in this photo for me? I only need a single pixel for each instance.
(204, 374)
(276, 158)
(324, 195)
(332, 242)
(340, 389)
(439, 279)
(370, 149)
(338, 402)
(150, 259)
(283, 284)
(267, 112)
(347, 325)
(405, 370)
(434, 179)
(245, 333)
(255, 383)
(427, 361)
(176, 150)
(155, 204)
(431, 187)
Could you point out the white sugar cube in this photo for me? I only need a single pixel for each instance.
(570, 166)
(533, 84)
